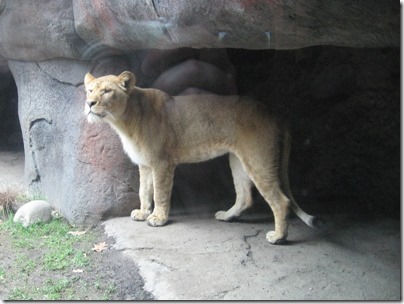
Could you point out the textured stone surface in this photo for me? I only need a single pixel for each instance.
(80, 168)
(38, 30)
(44, 29)
(122, 25)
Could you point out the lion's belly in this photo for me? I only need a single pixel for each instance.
(196, 155)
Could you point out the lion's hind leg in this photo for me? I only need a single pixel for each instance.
(242, 184)
(264, 174)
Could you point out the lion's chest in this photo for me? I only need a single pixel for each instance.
(133, 152)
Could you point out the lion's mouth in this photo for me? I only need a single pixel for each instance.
(98, 116)
(101, 115)
(93, 117)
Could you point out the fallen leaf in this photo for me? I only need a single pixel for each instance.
(100, 247)
(78, 270)
(76, 233)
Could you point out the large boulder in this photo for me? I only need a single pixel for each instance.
(80, 168)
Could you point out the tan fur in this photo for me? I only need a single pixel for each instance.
(159, 131)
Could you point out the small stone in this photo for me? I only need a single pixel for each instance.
(33, 212)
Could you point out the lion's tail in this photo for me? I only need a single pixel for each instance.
(310, 220)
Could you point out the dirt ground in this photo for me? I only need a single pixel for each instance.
(109, 276)
(107, 268)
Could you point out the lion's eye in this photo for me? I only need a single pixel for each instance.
(90, 91)
(107, 91)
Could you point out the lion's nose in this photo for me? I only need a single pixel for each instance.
(90, 103)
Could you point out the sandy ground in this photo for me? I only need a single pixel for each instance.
(196, 257)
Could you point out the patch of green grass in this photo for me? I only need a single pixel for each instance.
(2, 274)
(54, 289)
(23, 197)
(107, 290)
(110, 289)
(19, 294)
(45, 248)
(25, 265)
(80, 259)
(58, 259)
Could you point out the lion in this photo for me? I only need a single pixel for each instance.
(159, 132)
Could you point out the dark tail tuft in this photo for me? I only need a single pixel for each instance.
(317, 222)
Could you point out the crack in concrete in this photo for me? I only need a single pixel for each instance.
(133, 249)
(143, 248)
(223, 293)
(249, 255)
(168, 267)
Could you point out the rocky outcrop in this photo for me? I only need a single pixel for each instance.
(38, 30)
(45, 29)
(81, 169)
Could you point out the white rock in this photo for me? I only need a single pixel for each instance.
(33, 212)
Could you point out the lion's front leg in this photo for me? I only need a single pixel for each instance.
(145, 194)
(163, 176)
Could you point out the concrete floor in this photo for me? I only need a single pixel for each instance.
(196, 257)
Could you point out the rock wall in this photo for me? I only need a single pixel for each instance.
(80, 168)
(37, 30)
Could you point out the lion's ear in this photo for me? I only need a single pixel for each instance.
(88, 78)
(128, 80)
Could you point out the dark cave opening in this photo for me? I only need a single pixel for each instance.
(10, 129)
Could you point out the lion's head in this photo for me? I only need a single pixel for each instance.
(107, 96)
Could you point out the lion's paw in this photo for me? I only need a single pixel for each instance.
(275, 238)
(155, 220)
(139, 215)
(223, 216)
